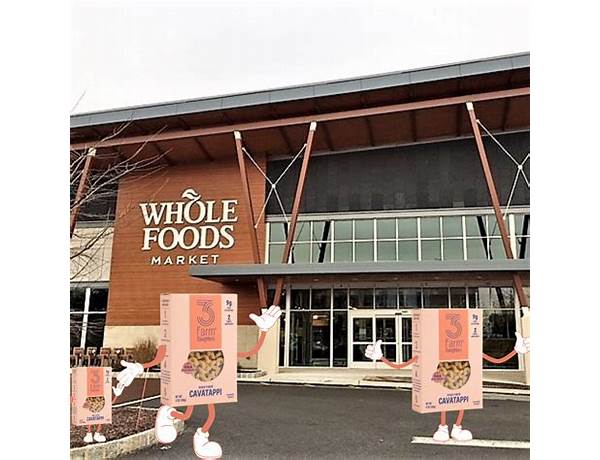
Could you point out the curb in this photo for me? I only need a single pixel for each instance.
(370, 384)
(119, 447)
(250, 374)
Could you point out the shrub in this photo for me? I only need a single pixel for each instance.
(144, 350)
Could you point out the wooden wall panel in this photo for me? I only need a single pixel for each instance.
(135, 285)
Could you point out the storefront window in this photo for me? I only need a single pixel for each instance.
(319, 321)
(476, 249)
(410, 298)
(386, 251)
(458, 297)
(321, 231)
(321, 252)
(435, 297)
(450, 237)
(363, 229)
(302, 231)
(386, 298)
(87, 316)
(277, 232)
(76, 325)
(361, 298)
(453, 250)
(431, 250)
(301, 253)
(386, 229)
(320, 299)
(430, 227)
(502, 297)
(300, 299)
(499, 337)
(452, 226)
(309, 339)
(363, 251)
(407, 228)
(496, 249)
(95, 330)
(282, 320)
(276, 253)
(340, 339)
(77, 299)
(342, 252)
(343, 230)
(340, 299)
(408, 250)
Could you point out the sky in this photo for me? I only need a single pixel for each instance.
(143, 52)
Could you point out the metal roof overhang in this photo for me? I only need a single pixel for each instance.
(249, 272)
(306, 91)
(395, 109)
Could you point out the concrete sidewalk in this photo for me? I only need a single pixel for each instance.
(502, 382)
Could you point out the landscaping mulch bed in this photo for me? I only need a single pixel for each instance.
(124, 424)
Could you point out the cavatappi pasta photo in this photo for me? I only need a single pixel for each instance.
(455, 373)
(206, 365)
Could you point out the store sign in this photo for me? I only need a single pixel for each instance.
(191, 224)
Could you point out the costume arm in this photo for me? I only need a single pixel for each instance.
(505, 358)
(255, 348)
(399, 365)
(264, 322)
(160, 355)
(522, 346)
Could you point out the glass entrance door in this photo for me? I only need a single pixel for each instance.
(360, 336)
(395, 332)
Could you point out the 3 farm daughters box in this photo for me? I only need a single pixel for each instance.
(91, 395)
(200, 334)
(447, 374)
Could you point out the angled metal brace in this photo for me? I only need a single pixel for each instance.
(487, 172)
(252, 225)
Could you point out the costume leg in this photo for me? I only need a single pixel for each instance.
(99, 437)
(89, 437)
(164, 427)
(441, 435)
(203, 448)
(457, 431)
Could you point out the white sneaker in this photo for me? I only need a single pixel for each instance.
(441, 435)
(164, 427)
(99, 437)
(89, 437)
(205, 449)
(458, 434)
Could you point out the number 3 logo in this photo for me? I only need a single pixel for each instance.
(457, 327)
(208, 316)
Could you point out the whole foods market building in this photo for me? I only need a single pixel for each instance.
(395, 211)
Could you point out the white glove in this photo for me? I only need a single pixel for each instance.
(374, 351)
(126, 376)
(522, 345)
(267, 319)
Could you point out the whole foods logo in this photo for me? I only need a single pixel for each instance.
(189, 224)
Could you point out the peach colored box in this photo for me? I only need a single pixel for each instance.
(200, 334)
(91, 395)
(447, 374)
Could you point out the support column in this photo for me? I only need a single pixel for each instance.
(487, 172)
(83, 184)
(262, 289)
(296, 207)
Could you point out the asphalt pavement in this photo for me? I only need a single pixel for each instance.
(304, 422)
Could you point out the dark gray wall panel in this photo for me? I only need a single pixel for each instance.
(426, 176)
